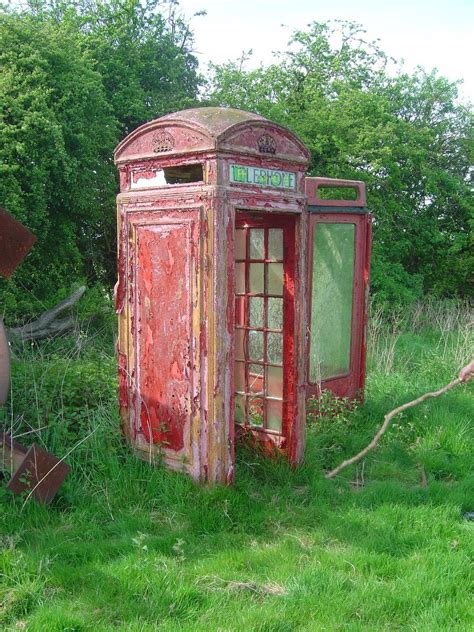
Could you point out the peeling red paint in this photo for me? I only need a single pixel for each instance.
(119, 290)
(143, 174)
(164, 345)
(230, 277)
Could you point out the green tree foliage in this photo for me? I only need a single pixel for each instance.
(76, 77)
(405, 135)
(57, 133)
(140, 49)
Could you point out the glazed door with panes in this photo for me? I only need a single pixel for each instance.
(264, 317)
(339, 259)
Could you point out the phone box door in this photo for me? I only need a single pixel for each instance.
(338, 284)
(265, 370)
(163, 264)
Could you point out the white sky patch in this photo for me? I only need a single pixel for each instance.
(428, 33)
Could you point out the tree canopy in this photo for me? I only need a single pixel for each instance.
(405, 135)
(78, 76)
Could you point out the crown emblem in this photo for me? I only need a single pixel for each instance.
(266, 144)
(163, 141)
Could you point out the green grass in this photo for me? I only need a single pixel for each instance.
(130, 547)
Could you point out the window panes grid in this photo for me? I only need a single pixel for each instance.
(259, 327)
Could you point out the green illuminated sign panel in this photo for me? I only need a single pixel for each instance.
(258, 176)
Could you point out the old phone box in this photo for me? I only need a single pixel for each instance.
(227, 254)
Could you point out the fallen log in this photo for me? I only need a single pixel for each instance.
(48, 325)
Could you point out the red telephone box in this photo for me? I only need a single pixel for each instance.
(213, 287)
(211, 291)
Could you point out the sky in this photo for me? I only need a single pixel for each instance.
(428, 33)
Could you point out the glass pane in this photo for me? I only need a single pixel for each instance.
(256, 278)
(275, 279)
(240, 278)
(331, 300)
(256, 345)
(275, 313)
(274, 415)
(256, 311)
(257, 248)
(256, 411)
(239, 344)
(256, 378)
(275, 381)
(275, 244)
(239, 409)
(240, 244)
(274, 348)
(239, 377)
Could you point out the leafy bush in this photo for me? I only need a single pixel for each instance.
(75, 80)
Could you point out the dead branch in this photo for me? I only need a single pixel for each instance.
(387, 419)
(48, 325)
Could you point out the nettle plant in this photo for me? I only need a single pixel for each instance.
(328, 408)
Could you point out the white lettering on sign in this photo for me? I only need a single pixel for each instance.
(259, 176)
(147, 179)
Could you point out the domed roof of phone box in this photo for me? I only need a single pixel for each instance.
(209, 129)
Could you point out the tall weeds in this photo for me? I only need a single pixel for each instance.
(450, 323)
(62, 390)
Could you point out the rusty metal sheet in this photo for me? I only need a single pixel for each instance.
(37, 471)
(12, 453)
(15, 243)
(4, 365)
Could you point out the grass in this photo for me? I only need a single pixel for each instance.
(125, 546)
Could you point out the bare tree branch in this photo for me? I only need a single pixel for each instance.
(387, 419)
